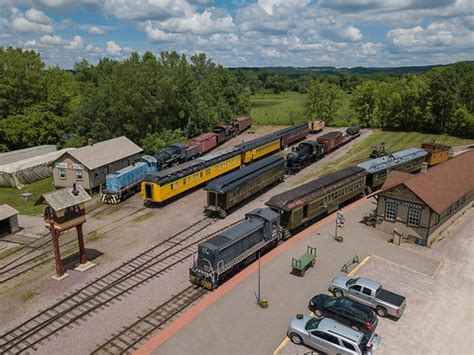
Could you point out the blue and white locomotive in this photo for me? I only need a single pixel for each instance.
(125, 182)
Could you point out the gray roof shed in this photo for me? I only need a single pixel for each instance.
(6, 211)
(63, 198)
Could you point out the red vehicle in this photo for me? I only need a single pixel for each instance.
(241, 123)
(331, 140)
(205, 141)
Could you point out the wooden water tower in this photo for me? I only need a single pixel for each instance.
(65, 209)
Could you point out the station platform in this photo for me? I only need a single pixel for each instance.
(229, 320)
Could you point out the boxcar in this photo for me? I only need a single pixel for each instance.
(331, 140)
(232, 249)
(205, 141)
(228, 191)
(241, 123)
(292, 134)
(408, 160)
(258, 148)
(437, 153)
(316, 126)
(299, 206)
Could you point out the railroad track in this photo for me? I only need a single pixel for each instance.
(44, 252)
(112, 286)
(133, 335)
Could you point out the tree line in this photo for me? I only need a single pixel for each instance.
(152, 100)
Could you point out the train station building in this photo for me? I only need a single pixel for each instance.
(88, 166)
(417, 207)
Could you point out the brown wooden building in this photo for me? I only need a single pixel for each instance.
(88, 166)
(420, 206)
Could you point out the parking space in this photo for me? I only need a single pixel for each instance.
(439, 317)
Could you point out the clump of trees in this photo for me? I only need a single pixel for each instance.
(149, 99)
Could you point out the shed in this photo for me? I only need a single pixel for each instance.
(88, 166)
(8, 220)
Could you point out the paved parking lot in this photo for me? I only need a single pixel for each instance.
(233, 324)
(439, 317)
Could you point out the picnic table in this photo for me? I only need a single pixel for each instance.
(304, 262)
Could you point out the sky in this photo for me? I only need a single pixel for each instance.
(237, 33)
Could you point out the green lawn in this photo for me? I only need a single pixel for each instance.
(288, 108)
(13, 198)
(394, 141)
(277, 109)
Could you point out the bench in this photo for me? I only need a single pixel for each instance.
(304, 262)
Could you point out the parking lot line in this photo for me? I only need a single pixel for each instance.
(212, 297)
(406, 267)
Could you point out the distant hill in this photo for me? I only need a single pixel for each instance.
(298, 71)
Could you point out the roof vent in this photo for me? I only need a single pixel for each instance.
(90, 141)
(74, 191)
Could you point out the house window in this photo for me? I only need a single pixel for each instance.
(79, 175)
(414, 215)
(436, 221)
(450, 209)
(96, 173)
(390, 211)
(62, 173)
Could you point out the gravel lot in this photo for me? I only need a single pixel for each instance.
(34, 291)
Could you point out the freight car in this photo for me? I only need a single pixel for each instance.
(228, 191)
(437, 153)
(241, 123)
(229, 251)
(206, 142)
(292, 134)
(409, 160)
(301, 205)
(126, 181)
(305, 153)
(353, 130)
(331, 140)
(316, 126)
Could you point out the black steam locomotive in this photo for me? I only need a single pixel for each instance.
(175, 154)
(305, 153)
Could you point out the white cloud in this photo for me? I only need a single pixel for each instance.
(53, 40)
(30, 43)
(22, 24)
(270, 5)
(210, 21)
(156, 35)
(352, 34)
(96, 30)
(76, 43)
(418, 39)
(37, 16)
(93, 49)
(113, 48)
(147, 9)
(270, 53)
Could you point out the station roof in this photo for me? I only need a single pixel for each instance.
(233, 180)
(306, 193)
(6, 211)
(392, 160)
(103, 153)
(64, 198)
(441, 185)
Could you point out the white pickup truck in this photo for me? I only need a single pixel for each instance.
(369, 293)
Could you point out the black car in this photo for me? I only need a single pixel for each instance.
(345, 311)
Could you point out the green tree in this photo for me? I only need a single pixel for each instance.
(152, 143)
(461, 123)
(21, 80)
(322, 101)
(364, 103)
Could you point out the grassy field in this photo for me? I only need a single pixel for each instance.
(288, 108)
(13, 198)
(394, 141)
(277, 109)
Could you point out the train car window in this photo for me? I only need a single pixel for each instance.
(201, 173)
(184, 181)
(305, 211)
(208, 171)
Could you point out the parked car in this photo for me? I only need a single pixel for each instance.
(327, 335)
(369, 293)
(345, 311)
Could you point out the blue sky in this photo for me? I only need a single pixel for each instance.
(341, 33)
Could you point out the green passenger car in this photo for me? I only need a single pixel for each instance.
(301, 205)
